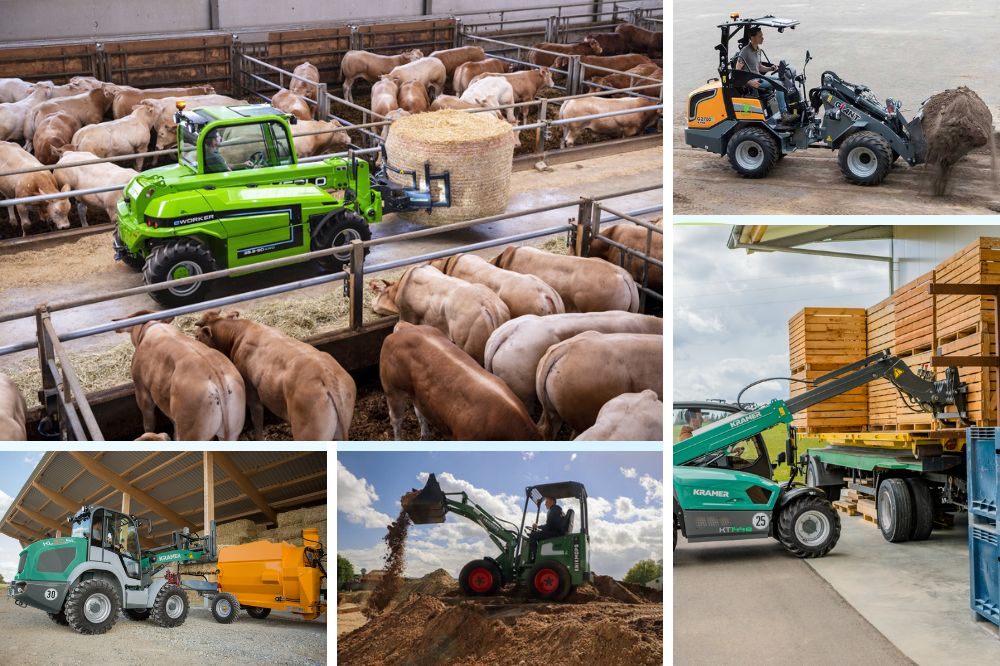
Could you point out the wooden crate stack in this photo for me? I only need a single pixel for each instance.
(882, 395)
(820, 340)
(965, 325)
(913, 324)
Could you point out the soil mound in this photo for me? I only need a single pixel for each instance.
(437, 583)
(609, 587)
(954, 123)
(424, 631)
(391, 581)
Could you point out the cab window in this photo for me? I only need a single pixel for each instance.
(235, 148)
(282, 147)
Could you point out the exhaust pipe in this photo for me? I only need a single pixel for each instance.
(426, 505)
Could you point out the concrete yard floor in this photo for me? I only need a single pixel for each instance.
(595, 177)
(867, 601)
(750, 602)
(916, 594)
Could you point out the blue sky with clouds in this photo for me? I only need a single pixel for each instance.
(15, 468)
(625, 505)
(731, 308)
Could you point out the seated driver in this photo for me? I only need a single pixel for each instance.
(749, 60)
(214, 161)
(554, 526)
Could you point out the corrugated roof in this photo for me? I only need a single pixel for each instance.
(290, 479)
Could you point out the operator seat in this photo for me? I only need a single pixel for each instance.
(567, 526)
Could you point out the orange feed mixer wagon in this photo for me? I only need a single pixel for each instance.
(263, 576)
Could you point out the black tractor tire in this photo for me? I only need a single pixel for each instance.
(550, 580)
(170, 608)
(923, 509)
(168, 257)
(339, 228)
(130, 260)
(97, 598)
(257, 613)
(480, 578)
(812, 475)
(811, 517)
(225, 608)
(865, 158)
(753, 152)
(894, 505)
(138, 614)
(59, 618)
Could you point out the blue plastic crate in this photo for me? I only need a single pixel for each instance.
(984, 562)
(982, 453)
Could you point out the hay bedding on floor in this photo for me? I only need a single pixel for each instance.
(299, 317)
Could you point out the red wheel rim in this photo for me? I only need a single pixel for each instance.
(546, 581)
(480, 580)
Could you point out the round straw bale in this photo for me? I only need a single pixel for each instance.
(477, 149)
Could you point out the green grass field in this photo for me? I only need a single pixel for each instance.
(774, 439)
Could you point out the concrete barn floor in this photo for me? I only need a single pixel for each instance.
(868, 601)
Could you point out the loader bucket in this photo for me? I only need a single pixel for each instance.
(426, 505)
(916, 131)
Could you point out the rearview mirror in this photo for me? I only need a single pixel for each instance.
(780, 458)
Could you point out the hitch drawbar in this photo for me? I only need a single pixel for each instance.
(426, 505)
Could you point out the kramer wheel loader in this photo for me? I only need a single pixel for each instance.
(731, 117)
(723, 488)
(86, 579)
(560, 563)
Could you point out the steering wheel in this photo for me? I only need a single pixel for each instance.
(256, 160)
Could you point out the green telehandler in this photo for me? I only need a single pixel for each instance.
(85, 580)
(723, 485)
(560, 563)
(239, 196)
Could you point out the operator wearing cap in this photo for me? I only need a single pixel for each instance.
(553, 527)
(694, 419)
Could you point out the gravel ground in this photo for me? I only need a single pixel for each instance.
(280, 639)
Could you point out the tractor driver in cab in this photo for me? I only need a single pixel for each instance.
(749, 60)
(214, 161)
(694, 420)
(555, 525)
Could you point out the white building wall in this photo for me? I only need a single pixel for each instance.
(918, 249)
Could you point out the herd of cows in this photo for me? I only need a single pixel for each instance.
(479, 348)
(85, 119)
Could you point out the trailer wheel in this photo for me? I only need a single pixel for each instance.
(175, 259)
(338, 228)
(923, 509)
(550, 580)
(170, 608)
(752, 152)
(895, 510)
(808, 526)
(59, 618)
(138, 614)
(865, 158)
(92, 606)
(257, 613)
(225, 608)
(480, 578)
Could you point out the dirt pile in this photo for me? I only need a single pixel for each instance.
(391, 581)
(612, 589)
(426, 631)
(437, 583)
(954, 123)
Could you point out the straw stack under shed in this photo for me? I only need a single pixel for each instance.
(477, 149)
